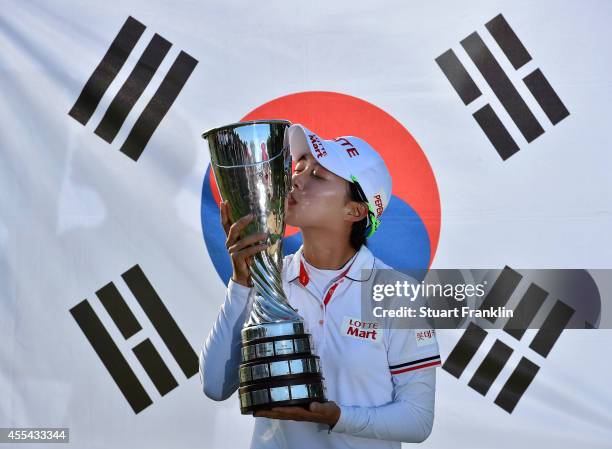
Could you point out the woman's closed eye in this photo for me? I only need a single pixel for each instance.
(314, 172)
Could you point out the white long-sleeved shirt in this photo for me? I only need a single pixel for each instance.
(385, 387)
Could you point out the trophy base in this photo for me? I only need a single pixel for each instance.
(256, 398)
(278, 367)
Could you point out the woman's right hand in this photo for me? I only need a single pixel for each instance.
(240, 249)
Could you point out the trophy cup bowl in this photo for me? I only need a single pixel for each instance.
(252, 167)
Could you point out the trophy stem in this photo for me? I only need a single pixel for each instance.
(270, 304)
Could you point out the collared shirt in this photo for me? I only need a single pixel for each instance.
(323, 279)
(378, 376)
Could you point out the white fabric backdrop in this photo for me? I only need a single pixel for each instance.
(75, 213)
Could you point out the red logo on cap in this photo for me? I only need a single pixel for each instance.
(379, 205)
(318, 146)
(352, 151)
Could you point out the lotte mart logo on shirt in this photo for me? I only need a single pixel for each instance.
(361, 330)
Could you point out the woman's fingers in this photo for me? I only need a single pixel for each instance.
(234, 231)
(247, 241)
(225, 221)
(241, 248)
(251, 250)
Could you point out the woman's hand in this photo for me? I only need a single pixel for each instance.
(240, 249)
(319, 412)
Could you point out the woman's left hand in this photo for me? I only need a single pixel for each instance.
(320, 412)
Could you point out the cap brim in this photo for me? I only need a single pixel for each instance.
(300, 144)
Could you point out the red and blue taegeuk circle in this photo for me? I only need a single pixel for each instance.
(410, 226)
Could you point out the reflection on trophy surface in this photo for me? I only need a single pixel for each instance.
(252, 167)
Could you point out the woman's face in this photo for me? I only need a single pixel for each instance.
(318, 197)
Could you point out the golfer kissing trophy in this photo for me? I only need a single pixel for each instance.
(252, 166)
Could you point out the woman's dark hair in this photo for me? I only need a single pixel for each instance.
(358, 231)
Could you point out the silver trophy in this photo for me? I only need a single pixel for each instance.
(252, 166)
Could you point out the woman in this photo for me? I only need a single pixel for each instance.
(379, 380)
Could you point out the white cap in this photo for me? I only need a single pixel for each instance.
(352, 159)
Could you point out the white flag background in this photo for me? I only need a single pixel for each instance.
(102, 193)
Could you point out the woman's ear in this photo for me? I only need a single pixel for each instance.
(355, 211)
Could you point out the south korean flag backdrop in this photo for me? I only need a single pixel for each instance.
(493, 116)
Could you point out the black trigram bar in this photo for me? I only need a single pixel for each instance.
(133, 88)
(155, 367)
(502, 289)
(161, 319)
(546, 96)
(111, 357)
(159, 105)
(118, 310)
(495, 131)
(516, 384)
(107, 70)
(509, 42)
(502, 87)
(490, 367)
(459, 78)
(552, 327)
(525, 311)
(464, 350)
